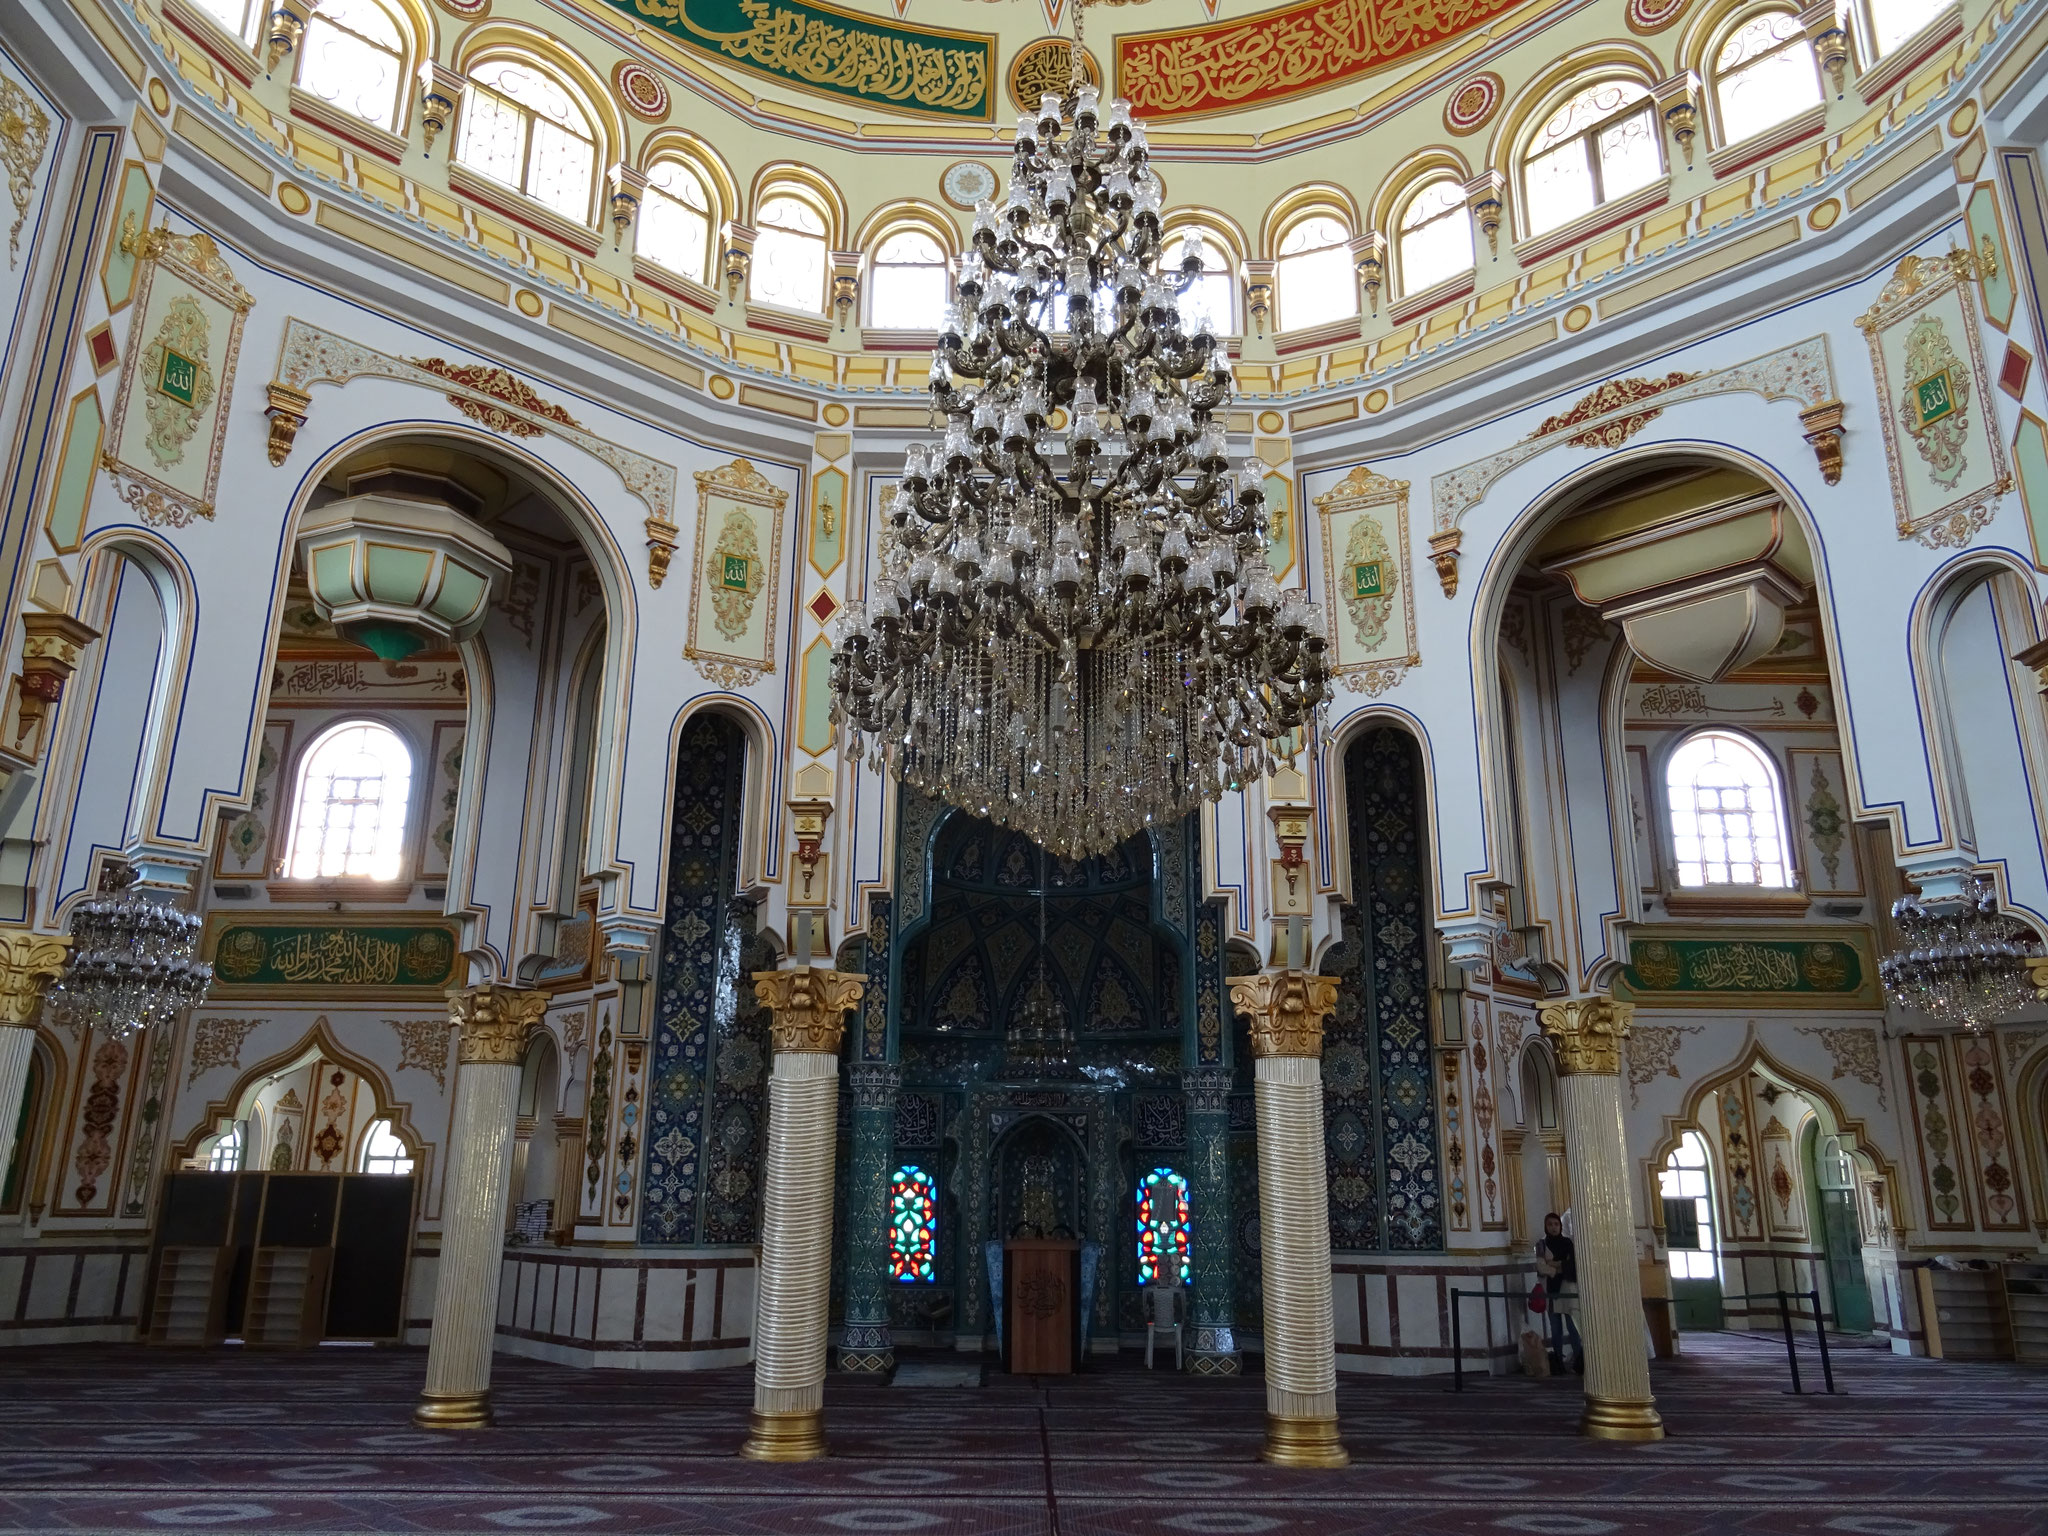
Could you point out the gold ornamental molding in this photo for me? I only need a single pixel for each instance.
(495, 1021)
(1286, 1010)
(1587, 1033)
(809, 1007)
(27, 960)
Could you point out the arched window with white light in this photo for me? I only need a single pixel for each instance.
(1314, 275)
(1435, 236)
(525, 128)
(1209, 302)
(383, 1151)
(1764, 74)
(789, 255)
(1892, 22)
(907, 287)
(348, 820)
(1600, 145)
(675, 220)
(1685, 1182)
(236, 16)
(225, 1156)
(1727, 816)
(353, 55)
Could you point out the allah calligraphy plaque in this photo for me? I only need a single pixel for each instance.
(1756, 968)
(923, 71)
(1278, 55)
(735, 574)
(334, 960)
(1367, 588)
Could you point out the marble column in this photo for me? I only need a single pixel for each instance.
(1587, 1034)
(1212, 1303)
(27, 960)
(866, 1350)
(1286, 1010)
(494, 1022)
(809, 1008)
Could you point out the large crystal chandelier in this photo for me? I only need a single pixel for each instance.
(1074, 630)
(1961, 964)
(132, 966)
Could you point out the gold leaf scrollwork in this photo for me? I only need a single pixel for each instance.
(1587, 1033)
(808, 1007)
(495, 1021)
(1286, 1010)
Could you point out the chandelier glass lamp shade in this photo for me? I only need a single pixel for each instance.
(1073, 629)
(132, 966)
(1961, 964)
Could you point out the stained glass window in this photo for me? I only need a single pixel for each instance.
(913, 1226)
(1162, 1228)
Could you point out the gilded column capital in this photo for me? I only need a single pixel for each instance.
(495, 1021)
(1587, 1032)
(1286, 1009)
(26, 960)
(809, 1005)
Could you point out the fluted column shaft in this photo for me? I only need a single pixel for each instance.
(866, 1348)
(1286, 1010)
(27, 961)
(1587, 1034)
(808, 1009)
(494, 1022)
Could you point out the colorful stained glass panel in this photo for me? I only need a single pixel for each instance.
(913, 1226)
(1163, 1228)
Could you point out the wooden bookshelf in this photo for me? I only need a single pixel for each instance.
(2026, 1309)
(287, 1298)
(1965, 1313)
(189, 1305)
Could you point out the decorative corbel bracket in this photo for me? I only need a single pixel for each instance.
(813, 883)
(1486, 195)
(1258, 294)
(50, 647)
(2036, 657)
(287, 409)
(1822, 425)
(1443, 554)
(737, 241)
(1678, 99)
(1369, 255)
(662, 537)
(1827, 27)
(845, 284)
(440, 91)
(285, 28)
(628, 186)
(1292, 888)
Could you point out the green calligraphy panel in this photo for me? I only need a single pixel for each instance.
(333, 959)
(816, 47)
(1681, 968)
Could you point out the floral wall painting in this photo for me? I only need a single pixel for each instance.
(170, 413)
(734, 572)
(1948, 466)
(1367, 591)
(245, 838)
(1827, 848)
(25, 131)
(443, 783)
(1854, 1052)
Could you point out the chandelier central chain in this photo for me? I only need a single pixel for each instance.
(1074, 629)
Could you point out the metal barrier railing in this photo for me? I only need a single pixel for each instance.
(1784, 1299)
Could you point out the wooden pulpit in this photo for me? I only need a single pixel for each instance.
(1042, 1298)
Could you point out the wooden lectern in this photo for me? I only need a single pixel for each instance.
(1042, 1292)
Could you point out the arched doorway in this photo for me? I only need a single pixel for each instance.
(1831, 1173)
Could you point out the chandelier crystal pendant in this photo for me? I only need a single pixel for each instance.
(1073, 630)
(132, 966)
(1962, 965)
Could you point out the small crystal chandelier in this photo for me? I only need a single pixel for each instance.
(1959, 964)
(132, 966)
(1074, 630)
(1039, 1042)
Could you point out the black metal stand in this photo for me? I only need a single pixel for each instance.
(1820, 1334)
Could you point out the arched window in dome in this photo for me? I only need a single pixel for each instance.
(913, 1226)
(225, 1156)
(1436, 235)
(1314, 275)
(1764, 74)
(789, 255)
(237, 16)
(526, 129)
(1892, 22)
(1163, 1228)
(675, 220)
(349, 817)
(1600, 145)
(383, 1152)
(1209, 302)
(353, 55)
(1685, 1183)
(1727, 822)
(907, 286)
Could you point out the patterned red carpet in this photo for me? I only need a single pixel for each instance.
(127, 1440)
